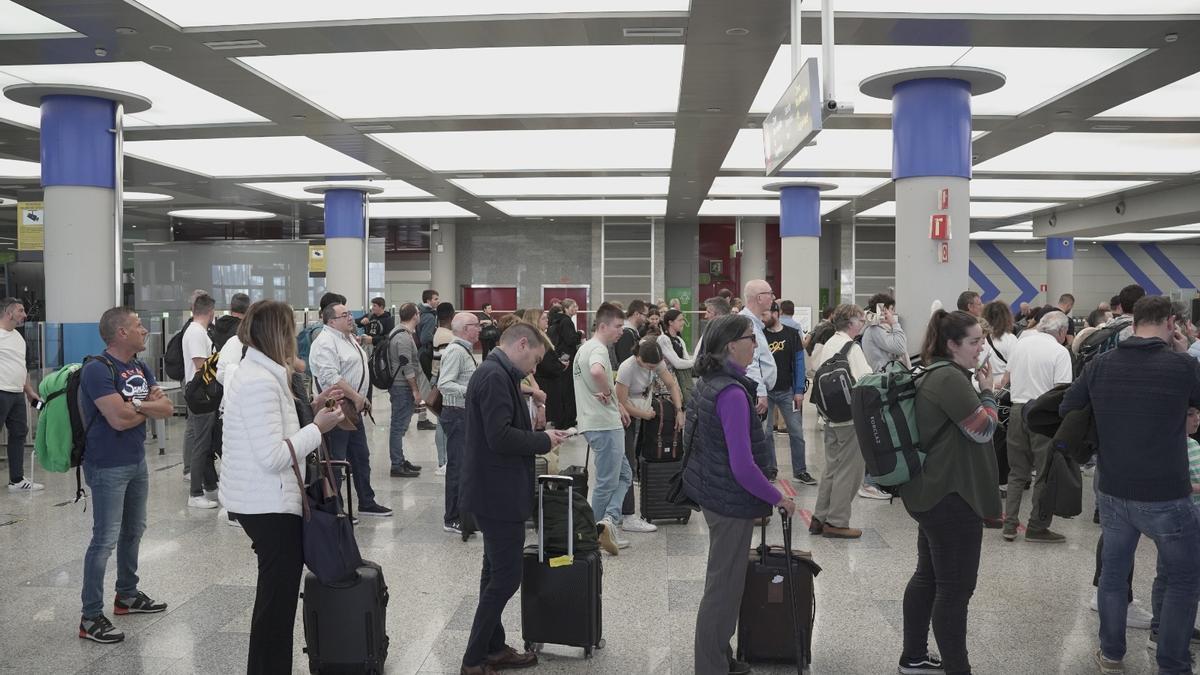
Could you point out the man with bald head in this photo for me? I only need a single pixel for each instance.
(758, 298)
(458, 365)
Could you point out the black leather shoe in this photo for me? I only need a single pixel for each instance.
(410, 466)
(816, 526)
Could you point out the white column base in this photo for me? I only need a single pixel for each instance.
(344, 270)
(80, 264)
(800, 274)
(920, 278)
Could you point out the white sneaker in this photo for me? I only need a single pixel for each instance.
(440, 471)
(637, 524)
(607, 536)
(872, 492)
(25, 485)
(1135, 616)
(202, 503)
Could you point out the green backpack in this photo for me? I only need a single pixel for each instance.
(61, 431)
(885, 421)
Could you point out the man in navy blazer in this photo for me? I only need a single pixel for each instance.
(497, 487)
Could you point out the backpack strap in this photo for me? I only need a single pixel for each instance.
(995, 350)
(112, 369)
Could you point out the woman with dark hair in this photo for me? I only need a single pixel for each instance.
(728, 457)
(635, 391)
(653, 325)
(679, 362)
(952, 495)
(1000, 340)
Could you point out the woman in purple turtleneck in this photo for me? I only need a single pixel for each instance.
(727, 455)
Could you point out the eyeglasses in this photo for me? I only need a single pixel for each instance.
(743, 337)
(343, 315)
(770, 293)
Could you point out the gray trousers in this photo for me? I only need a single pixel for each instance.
(843, 475)
(198, 444)
(1027, 452)
(728, 557)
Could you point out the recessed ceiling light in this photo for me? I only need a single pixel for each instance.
(582, 207)
(566, 186)
(162, 183)
(737, 32)
(978, 209)
(145, 197)
(1092, 152)
(228, 45)
(712, 110)
(160, 48)
(16, 168)
(100, 51)
(755, 207)
(17, 20)
(1171, 37)
(418, 210)
(299, 117)
(653, 32)
(538, 150)
(265, 156)
(125, 30)
(1063, 113)
(392, 189)
(220, 214)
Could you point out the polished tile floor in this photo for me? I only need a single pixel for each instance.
(1029, 614)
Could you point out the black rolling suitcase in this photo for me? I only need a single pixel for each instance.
(344, 624)
(561, 605)
(770, 628)
(656, 481)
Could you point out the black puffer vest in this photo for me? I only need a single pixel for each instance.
(708, 480)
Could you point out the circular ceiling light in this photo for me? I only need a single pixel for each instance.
(221, 214)
(737, 32)
(145, 197)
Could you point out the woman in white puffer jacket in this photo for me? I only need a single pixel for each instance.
(257, 483)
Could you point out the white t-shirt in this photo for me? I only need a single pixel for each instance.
(196, 345)
(637, 378)
(1004, 346)
(1037, 364)
(12, 361)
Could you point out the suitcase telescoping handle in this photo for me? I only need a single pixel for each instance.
(329, 464)
(543, 481)
(797, 631)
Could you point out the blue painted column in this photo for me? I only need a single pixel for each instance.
(79, 147)
(931, 168)
(800, 247)
(1060, 268)
(345, 245)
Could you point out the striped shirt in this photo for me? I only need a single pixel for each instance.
(1194, 466)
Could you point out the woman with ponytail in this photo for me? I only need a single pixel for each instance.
(952, 495)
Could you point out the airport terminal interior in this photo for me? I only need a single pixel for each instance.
(542, 154)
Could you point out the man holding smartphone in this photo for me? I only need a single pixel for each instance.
(787, 396)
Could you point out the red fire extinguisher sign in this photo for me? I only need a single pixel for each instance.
(939, 226)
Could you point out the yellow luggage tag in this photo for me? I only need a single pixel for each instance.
(562, 561)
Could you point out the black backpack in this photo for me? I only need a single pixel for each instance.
(1103, 340)
(173, 355)
(222, 329)
(832, 387)
(383, 372)
(79, 429)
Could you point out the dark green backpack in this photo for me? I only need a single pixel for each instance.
(555, 522)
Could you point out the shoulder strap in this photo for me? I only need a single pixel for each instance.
(846, 349)
(994, 349)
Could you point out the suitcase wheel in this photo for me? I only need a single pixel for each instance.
(587, 653)
(600, 644)
(466, 536)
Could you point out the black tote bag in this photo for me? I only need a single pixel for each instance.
(330, 550)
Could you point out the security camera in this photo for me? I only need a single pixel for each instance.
(1053, 220)
(1121, 208)
(839, 107)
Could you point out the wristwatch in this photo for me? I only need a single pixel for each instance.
(137, 404)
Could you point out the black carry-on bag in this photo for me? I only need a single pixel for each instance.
(579, 474)
(778, 604)
(345, 622)
(656, 482)
(561, 605)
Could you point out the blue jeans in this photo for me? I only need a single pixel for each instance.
(613, 473)
(352, 446)
(402, 412)
(439, 440)
(118, 520)
(454, 423)
(782, 400)
(1175, 529)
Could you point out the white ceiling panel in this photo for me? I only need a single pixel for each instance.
(1029, 81)
(174, 102)
(751, 186)
(755, 207)
(540, 150)
(16, 168)
(1094, 152)
(18, 20)
(191, 14)
(836, 149)
(1048, 189)
(978, 209)
(1144, 236)
(559, 80)
(221, 214)
(144, 197)
(1026, 7)
(583, 207)
(1194, 227)
(1178, 99)
(418, 210)
(263, 156)
(566, 186)
(392, 189)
